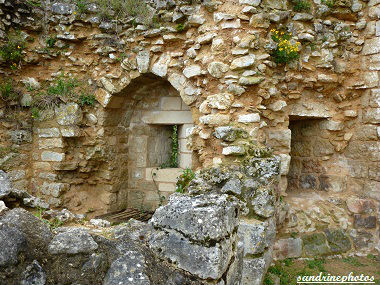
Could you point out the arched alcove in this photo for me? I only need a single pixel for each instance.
(150, 119)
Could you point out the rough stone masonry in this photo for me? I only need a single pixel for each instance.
(209, 68)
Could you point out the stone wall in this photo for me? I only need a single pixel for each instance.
(217, 57)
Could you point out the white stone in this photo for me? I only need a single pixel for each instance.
(206, 38)
(231, 24)
(143, 61)
(3, 208)
(243, 62)
(48, 133)
(52, 156)
(253, 3)
(233, 150)
(222, 16)
(371, 46)
(285, 163)
(160, 68)
(192, 70)
(249, 118)
(221, 101)
(100, 223)
(277, 106)
(217, 69)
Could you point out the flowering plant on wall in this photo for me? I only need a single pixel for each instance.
(287, 49)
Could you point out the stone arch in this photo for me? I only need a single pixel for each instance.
(138, 121)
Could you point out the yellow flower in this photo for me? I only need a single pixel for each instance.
(75, 13)
(18, 47)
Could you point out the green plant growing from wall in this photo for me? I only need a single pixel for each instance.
(287, 49)
(7, 91)
(62, 89)
(50, 41)
(12, 51)
(87, 99)
(184, 179)
(81, 5)
(173, 159)
(301, 5)
(329, 3)
(124, 8)
(180, 27)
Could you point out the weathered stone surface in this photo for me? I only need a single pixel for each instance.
(72, 241)
(364, 222)
(160, 68)
(143, 61)
(201, 218)
(372, 46)
(69, 114)
(202, 261)
(33, 275)
(14, 242)
(5, 184)
(228, 133)
(127, 269)
(233, 150)
(192, 70)
(287, 248)
(243, 62)
(232, 186)
(36, 233)
(3, 208)
(263, 203)
(220, 101)
(251, 80)
(315, 244)
(256, 236)
(217, 69)
(254, 269)
(249, 118)
(338, 241)
(215, 119)
(360, 206)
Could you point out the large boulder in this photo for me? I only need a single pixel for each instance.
(36, 232)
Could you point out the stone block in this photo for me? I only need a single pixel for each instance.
(48, 133)
(215, 119)
(338, 240)
(184, 130)
(183, 146)
(280, 138)
(42, 166)
(185, 160)
(256, 235)
(163, 175)
(360, 206)
(315, 244)
(363, 222)
(71, 132)
(254, 269)
(332, 183)
(323, 147)
(285, 163)
(371, 115)
(287, 248)
(52, 156)
(371, 46)
(167, 117)
(68, 114)
(50, 143)
(166, 187)
(249, 118)
(171, 103)
(54, 189)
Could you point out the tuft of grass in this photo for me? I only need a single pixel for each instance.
(124, 8)
(7, 91)
(81, 5)
(301, 5)
(329, 3)
(86, 99)
(353, 261)
(317, 263)
(60, 90)
(53, 224)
